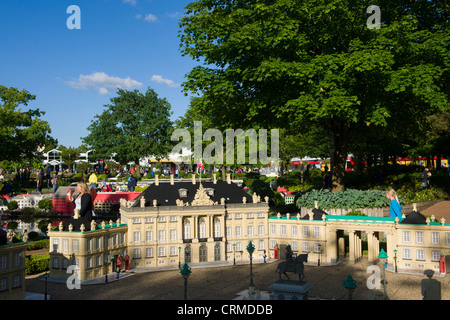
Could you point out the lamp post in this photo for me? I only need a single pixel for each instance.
(319, 252)
(395, 260)
(384, 257)
(185, 272)
(250, 249)
(350, 285)
(106, 268)
(45, 292)
(179, 257)
(234, 254)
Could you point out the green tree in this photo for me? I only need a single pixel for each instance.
(69, 155)
(21, 132)
(283, 63)
(134, 125)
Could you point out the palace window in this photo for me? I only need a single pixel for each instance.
(261, 230)
(273, 229)
(435, 238)
(305, 232)
(173, 234)
(149, 252)
(149, 235)
(216, 228)
(406, 236)
(55, 244)
(249, 230)
(161, 251)
(136, 236)
(261, 245)
(75, 245)
(238, 231)
(187, 229)
(435, 255)
(420, 254)
(162, 235)
(306, 247)
(65, 245)
(136, 220)
(420, 237)
(202, 228)
(407, 253)
(137, 253)
(294, 231)
(17, 259)
(316, 232)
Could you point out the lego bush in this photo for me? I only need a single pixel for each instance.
(37, 263)
(12, 205)
(45, 204)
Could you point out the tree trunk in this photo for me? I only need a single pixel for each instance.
(338, 153)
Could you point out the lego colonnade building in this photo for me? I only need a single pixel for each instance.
(212, 221)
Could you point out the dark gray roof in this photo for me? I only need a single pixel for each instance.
(167, 194)
(415, 218)
(317, 214)
(76, 224)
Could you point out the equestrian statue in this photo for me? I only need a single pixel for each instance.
(291, 264)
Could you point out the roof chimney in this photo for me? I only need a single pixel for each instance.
(171, 180)
(193, 178)
(156, 180)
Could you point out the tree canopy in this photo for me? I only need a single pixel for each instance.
(21, 132)
(134, 125)
(284, 63)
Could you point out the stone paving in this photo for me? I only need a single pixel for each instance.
(227, 282)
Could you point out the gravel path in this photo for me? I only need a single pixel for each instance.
(223, 283)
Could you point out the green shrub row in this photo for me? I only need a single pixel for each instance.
(39, 244)
(37, 263)
(350, 198)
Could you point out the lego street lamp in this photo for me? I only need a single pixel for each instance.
(395, 260)
(45, 292)
(106, 267)
(319, 251)
(234, 254)
(350, 285)
(250, 249)
(179, 257)
(185, 272)
(384, 257)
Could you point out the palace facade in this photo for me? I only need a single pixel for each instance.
(211, 222)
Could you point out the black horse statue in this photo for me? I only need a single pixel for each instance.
(295, 266)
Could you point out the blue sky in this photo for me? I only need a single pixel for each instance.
(133, 44)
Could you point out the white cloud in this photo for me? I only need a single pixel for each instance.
(167, 82)
(147, 17)
(175, 15)
(102, 82)
(132, 2)
(150, 18)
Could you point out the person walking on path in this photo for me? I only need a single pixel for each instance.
(395, 209)
(93, 180)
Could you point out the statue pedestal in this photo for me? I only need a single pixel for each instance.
(290, 290)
